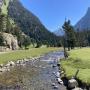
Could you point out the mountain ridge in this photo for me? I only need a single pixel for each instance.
(84, 22)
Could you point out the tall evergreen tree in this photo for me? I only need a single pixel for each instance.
(69, 34)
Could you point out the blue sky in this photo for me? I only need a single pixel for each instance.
(52, 13)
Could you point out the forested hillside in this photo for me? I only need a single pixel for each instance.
(31, 25)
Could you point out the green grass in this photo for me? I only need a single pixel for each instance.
(20, 54)
(78, 59)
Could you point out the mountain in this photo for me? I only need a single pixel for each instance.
(30, 24)
(84, 22)
(58, 32)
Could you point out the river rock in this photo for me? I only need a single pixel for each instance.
(53, 84)
(57, 74)
(60, 81)
(10, 63)
(72, 83)
(55, 87)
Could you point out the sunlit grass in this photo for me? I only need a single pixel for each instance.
(20, 54)
(78, 59)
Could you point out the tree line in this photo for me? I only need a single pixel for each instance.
(74, 38)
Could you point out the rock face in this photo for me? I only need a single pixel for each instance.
(10, 41)
(84, 22)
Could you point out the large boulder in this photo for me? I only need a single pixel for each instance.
(10, 41)
(72, 83)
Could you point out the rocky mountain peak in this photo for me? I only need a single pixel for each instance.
(84, 22)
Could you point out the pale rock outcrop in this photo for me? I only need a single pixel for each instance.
(10, 41)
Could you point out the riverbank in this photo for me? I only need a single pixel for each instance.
(79, 59)
(21, 54)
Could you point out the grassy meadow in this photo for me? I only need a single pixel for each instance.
(20, 54)
(78, 59)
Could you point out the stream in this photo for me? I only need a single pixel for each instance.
(39, 74)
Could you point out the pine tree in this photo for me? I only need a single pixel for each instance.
(69, 34)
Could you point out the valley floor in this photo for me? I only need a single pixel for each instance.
(21, 54)
(79, 59)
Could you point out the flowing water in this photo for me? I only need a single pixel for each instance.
(40, 74)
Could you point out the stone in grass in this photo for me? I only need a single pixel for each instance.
(72, 83)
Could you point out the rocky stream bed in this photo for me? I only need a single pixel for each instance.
(36, 74)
